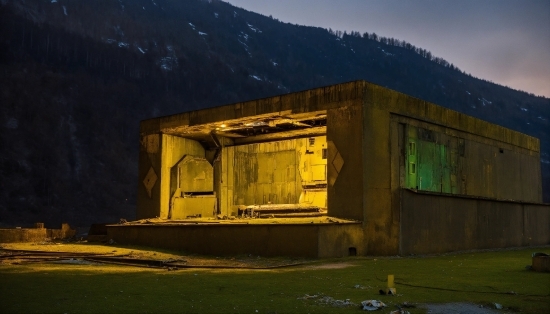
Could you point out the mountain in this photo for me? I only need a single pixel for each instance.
(76, 77)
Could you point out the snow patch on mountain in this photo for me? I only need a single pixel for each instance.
(168, 63)
(244, 35)
(119, 31)
(385, 52)
(254, 29)
(484, 101)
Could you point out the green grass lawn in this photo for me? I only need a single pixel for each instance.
(481, 278)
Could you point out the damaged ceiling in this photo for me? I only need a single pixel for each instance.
(251, 129)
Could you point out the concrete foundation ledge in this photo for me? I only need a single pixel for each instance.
(263, 239)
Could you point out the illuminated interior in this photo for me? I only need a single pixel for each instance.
(256, 167)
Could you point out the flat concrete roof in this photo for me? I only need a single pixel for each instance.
(303, 114)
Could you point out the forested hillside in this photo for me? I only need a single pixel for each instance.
(76, 77)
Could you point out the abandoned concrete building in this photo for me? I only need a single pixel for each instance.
(349, 169)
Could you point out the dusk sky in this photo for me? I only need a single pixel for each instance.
(504, 41)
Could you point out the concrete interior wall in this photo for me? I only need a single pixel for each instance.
(271, 173)
(174, 149)
(158, 154)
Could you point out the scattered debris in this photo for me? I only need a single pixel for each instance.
(75, 261)
(361, 287)
(388, 291)
(406, 305)
(400, 311)
(326, 300)
(498, 306)
(372, 305)
(335, 303)
(307, 296)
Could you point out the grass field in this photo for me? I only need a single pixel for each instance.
(482, 278)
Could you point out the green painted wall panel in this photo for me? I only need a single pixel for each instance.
(431, 165)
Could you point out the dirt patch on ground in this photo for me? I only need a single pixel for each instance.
(457, 308)
(30, 252)
(331, 266)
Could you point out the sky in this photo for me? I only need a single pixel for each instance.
(503, 41)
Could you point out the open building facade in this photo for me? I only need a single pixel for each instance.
(348, 169)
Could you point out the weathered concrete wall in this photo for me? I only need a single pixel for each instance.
(345, 162)
(35, 234)
(149, 165)
(64, 233)
(381, 225)
(432, 223)
(501, 171)
(263, 240)
(402, 104)
(22, 235)
(387, 113)
(341, 240)
(457, 162)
